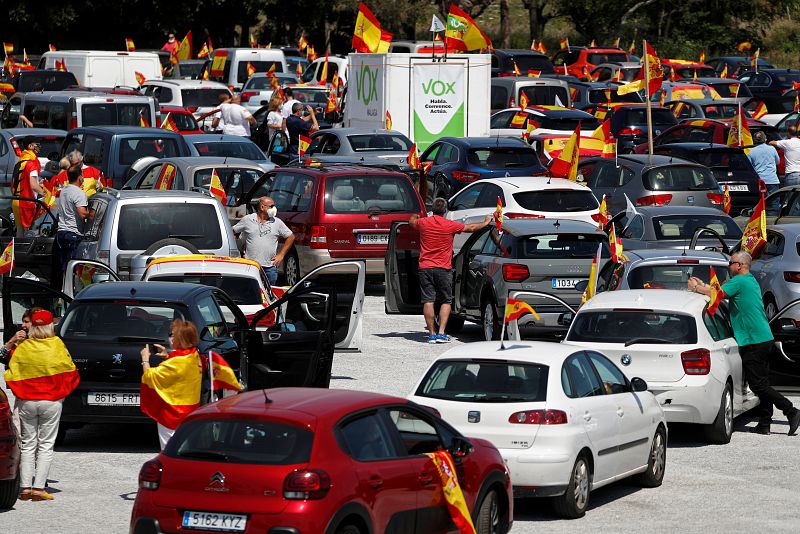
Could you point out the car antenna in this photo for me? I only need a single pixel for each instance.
(684, 248)
(267, 400)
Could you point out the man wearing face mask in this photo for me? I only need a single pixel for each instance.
(171, 44)
(261, 231)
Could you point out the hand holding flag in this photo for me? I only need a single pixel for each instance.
(716, 292)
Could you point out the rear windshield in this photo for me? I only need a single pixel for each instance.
(502, 158)
(720, 111)
(201, 98)
(730, 90)
(108, 114)
(485, 381)
(661, 116)
(552, 246)
(684, 226)
(557, 200)
(263, 82)
(121, 321)
(731, 160)
(241, 441)
(526, 63)
(222, 149)
(259, 66)
(50, 144)
(45, 81)
(141, 225)
(622, 326)
(133, 148)
(184, 122)
(596, 59)
(545, 95)
(381, 142)
(310, 97)
(679, 178)
(366, 194)
(569, 124)
(242, 289)
(598, 96)
(191, 70)
(672, 276)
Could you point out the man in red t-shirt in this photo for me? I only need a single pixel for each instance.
(436, 264)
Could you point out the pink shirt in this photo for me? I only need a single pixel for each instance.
(436, 241)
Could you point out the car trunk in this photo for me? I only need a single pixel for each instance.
(492, 421)
(112, 363)
(657, 362)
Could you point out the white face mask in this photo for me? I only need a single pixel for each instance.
(272, 212)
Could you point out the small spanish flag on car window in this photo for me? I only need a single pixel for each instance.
(216, 188)
(388, 120)
(140, 78)
(716, 292)
(250, 69)
(517, 308)
(224, 377)
(304, 143)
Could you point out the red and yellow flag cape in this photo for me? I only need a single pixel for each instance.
(456, 504)
(171, 391)
(41, 369)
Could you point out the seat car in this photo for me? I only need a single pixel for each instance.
(197, 96)
(334, 462)
(540, 91)
(337, 212)
(230, 146)
(629, 124)
(584, 94)
(105, 325)
(689, 358)
(769, 82)
(504, 61)
(650, 181)
(578, 61)
(9, 455)
(705, 109)
(532, 400)
(543, 119)
(549, 256)
(457, 162)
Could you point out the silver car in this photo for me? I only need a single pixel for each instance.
(662, 269)
(385, 148)
(778, 268)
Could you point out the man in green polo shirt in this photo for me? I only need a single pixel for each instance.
(752, 333)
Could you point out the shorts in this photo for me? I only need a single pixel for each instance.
(436, 285)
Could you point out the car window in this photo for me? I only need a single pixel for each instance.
(379, 143)
(610, 276)
(148, 179)
(366, 438)
(468, 198)
(100, 207)
(432, 153)
(552, 246)
(679, 178)
(614, 381)
(502, 157)
(232, 178)
(775, 244)
(230, 149)
(242, 289)
(557, 200)
(417, 433)
(491, 246)
(485, 381)
(201, 97)
(363, 194)
(141, 225)
(566, 385)
(447, 154)
(490, 195)
(115, 114)
(93, 148)
(672, 276)
(212, 316)
(583, 380)
(499, 97)
(620, 326)
(634, 230)
(501, 119)
(133, 148)
(291, 192)
(108, 321)
(684, 226)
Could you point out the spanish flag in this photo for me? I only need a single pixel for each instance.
(603, 133)
(143, 122)
(323, 74)
(566, 164)
(518, 120)
(332, 105)
(462, 33)
(716, 292)
(203, 51)
(498, 215)
(388, 120)
(129, 46)
(216, 188)
(726, 200)
(703, 56)
(754, 59)
(140, 78)
(724, 73)
(61, 66)
(591, 287)
(9, 48)
(368, 36)
(171, 390)
(563, 44)
(7, 258)
(744, 46)
(603, 216)
(523, 99)
(615, 243)
(739, 134)
(456, 504)
(250, 69)
(303, 144)
(41, 369)
(224, 377)
(302, 43)
(311, 54)
(165, 177)
(413, 158)
(754, 237)
(52, 47)
(517, 308)
(184, 50)
(169, 123)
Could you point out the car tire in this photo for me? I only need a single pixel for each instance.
(575, 501)
(721, 430)
(454, 324)
(656, 461)
(9, 492)
(348, 529)
(291, 268)
(770, 307)
(489, 321)
(171, 241)
(489, 519)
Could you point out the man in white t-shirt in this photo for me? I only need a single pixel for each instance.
(286, 110)
(236, 119)
(791, 153)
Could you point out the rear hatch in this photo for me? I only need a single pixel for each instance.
(681, 228)
(562, 203)
(642, 343)
(500, 161)
(479, 396)
(681, 185)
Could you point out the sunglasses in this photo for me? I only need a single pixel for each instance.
(734, 263)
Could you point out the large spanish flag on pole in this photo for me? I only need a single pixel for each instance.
(456, 504)
(41, 369)
(171, 390)
(184, 50)
(566, 164)
(368, 36)
(462, 34)
(754, 237)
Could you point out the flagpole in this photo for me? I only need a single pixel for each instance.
(210, 377)
(647, 101)
(503, 328)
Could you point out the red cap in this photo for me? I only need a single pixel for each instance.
(42, 318)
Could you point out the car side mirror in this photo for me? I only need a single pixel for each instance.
(232, 201)
(638, 384)
(581, 286)
(460, 447)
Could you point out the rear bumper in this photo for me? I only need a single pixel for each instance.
(698, 404)
(77, 409)
(311, 258)
(539, 471)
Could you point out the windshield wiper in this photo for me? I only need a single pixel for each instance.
(636, 340)
(206, 455)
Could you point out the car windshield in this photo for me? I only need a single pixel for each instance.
(607, 57)
(113, 114)
(133, 148)
(532, 62)
(201, 98)
(366, 194)
(184, 121)
(45, 81)
(119, 320)
(598, 96)
(141, 225)
(241, 441)
(553, 246)
(379, 143)
(259, 66)
(242, 289)
(661, 117)
(730, 160)
(502, 157)
(557, 200)
(230, 149)
(672, 276)
(485, 381)
(679, 178)
(645, 326)
(684, 226)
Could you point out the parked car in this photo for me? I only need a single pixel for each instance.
(790, 119)
(736, 64)
(544, 119)
(778, 107)
(621, 71)
(578, 61)
(197, 96)
(183, 118)
(336, 65)
(777, 269)
(506, 92)
(724, 109)
(504, 61)
(682, 68)
(191, 69)
(387, 148)
(9, 455)
(229, 66)
(461, 161)
(584, 94)
(769, 82)
(783, 207)
(629, 124)
(231, 146)
(357, 465)
(726, 87)
(36, 81)
(688, 357)
(257, 90)
(684, 90)
(549, 146)
(531, 400)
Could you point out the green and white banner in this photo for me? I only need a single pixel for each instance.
(438, 93)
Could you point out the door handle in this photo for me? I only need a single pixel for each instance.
(620, 412)
(587, 416)
(274, 336)
(425, 478)
(375, 481)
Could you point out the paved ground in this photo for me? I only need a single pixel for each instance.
(751, 484)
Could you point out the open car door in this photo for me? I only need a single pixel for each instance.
(83, 273)
(401, 264)
(296, 349)
(33, 252)
(348, 279)
(278, 151)
(784, 366)
(21, 294)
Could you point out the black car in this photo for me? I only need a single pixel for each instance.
(503, 62)
(736, 64)
(629, 124)
(770, 83)
(288, 343)
(726, 87)
(29, 81)
(458, 161)
(585, 94)
(730, 166)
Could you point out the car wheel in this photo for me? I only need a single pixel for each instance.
(292, 268)
(770, 307)
(491, 326)
(454, 325)
(348, 529)
(9, 491)
(721, 429)
(489, 520)
(656, 461)
(575, 500)
(61, 436)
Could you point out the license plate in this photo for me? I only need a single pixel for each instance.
(742, 187)
(214, 521)
(565, 283)
(112, 399)
(373, 239)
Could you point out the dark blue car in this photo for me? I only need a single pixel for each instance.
(457, 162)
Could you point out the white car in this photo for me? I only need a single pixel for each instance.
(544, 119)
(198, 96)
(565, 420)
(689, 359)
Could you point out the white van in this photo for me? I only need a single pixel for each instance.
(335, 64)
(229, 65)
(97, 68)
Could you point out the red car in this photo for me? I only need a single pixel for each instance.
(295, 460)
(184, 120)
(682, 68)
(580, 61)
(9, 455)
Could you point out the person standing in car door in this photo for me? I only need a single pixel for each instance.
(261, 232)
(73, 210)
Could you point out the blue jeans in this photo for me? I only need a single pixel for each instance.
(772, 205)
(271, 273)
(791, 178)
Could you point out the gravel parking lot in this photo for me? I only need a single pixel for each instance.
(751, 484)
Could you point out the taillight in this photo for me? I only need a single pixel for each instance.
(654, 200)
(715, 198)
(538, 417)
(515, 272)
(150, 475)
(512, 103)
(247, 94)
(319, 237)
(464, 176)
(792, 276)
(630, 131)
(306, 484)
(696, 361)
(513, 215)
(73, 122)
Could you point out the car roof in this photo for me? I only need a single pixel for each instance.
(209, 161)
(535, 183)
(656, 254)
(789, 229)
(24, 132)
(701, 147)
(553, 112)
(485, 142)
(647, 299)
(708, 101)
(124, 130)
(360, 131)
(523, 227)
(518, 52)
(153, 291)
(158, 194)
(545, 352)
(181, 82)
(707, 80)
(647, 161)
(620, 64)
(336, 169)
(656, 211)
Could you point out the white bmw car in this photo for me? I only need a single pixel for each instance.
(566, 420)
(689, 359)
